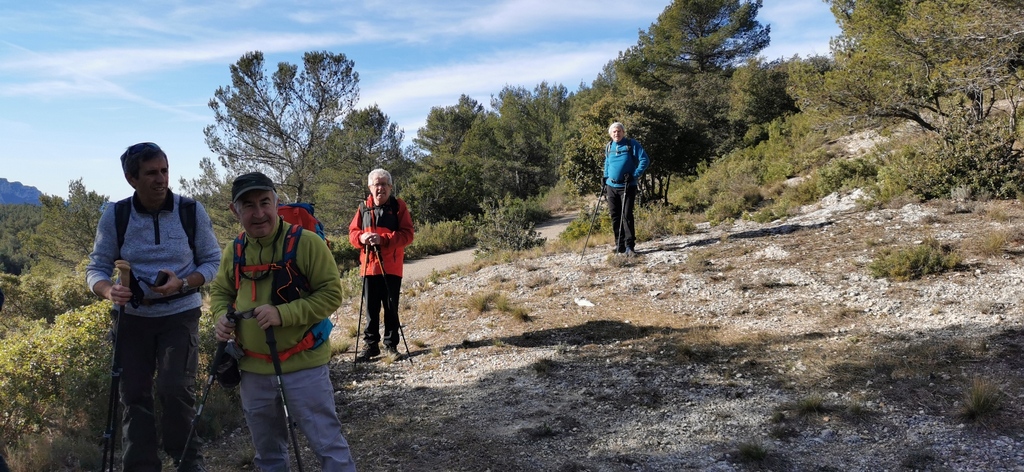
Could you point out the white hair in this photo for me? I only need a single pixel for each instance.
(617, 125)
(377, 173)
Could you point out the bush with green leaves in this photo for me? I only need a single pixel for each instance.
(43, 293)
(929, 257)
(508, 225)
(735, 184)
(658, 220)
(345, 254)
(581, 226)
(56, 375)
(55, 379)
(845, 174)
(441, 237)
(979, 159)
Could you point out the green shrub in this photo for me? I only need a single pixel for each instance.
(345, 254)
(845, 174)
(56, 375)
(658, 220)
(44, 294)
(580, 227)
(508, 225)
(929, 257)
(56, 383)
(723, 188)
(732, 202)
(442, 237)
(558, 198)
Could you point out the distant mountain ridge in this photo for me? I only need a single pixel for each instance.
(16, 193)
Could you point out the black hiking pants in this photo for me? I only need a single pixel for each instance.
(620, 208)
(382, 292)
(169, 347)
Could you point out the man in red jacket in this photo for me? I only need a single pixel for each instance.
(381, 229)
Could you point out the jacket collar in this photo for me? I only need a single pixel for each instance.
(167, 205)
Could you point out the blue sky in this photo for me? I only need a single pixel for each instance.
(82, 80)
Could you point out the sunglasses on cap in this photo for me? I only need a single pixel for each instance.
(137, 148)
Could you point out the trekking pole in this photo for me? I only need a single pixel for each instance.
(376, 249)
(272, 344)
(202, 403)
(110, 434)
(362, 296)
(206, 391)
(592, 220)
(622, 214)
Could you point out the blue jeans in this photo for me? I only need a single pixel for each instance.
(310, 398)
(169, 347)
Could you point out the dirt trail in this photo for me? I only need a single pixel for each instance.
(420, 268)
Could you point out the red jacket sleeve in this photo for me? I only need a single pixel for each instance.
(355, 229)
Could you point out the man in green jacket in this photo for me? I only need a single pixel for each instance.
(252, 286)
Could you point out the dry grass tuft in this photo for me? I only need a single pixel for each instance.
(981, 399)
(482, 302)
(542, 367)
(812, 404)
(752, 451)
(992, 243)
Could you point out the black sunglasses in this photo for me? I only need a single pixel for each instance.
(137, 148)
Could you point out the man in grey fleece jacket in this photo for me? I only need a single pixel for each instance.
(159, 329)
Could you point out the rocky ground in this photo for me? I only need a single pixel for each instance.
(739, 347)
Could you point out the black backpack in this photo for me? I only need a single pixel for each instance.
(186, 212)
(187, 215)
(388, 219)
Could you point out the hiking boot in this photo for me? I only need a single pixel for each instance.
(390, 351)
(630, 253)
(369, 352)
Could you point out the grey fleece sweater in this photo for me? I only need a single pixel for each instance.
(153, 242)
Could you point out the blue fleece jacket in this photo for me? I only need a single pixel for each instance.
(153, 242)
(622, 160)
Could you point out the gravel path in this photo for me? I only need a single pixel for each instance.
(420, 268)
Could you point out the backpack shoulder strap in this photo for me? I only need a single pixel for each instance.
(629, 146)
(291, 243)
(187, 214)
(238, 252)
(122, 213)
(367, 217)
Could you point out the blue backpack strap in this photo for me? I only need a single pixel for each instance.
(238, 256)
(291, 243)
(321, 331)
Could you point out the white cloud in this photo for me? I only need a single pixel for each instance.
(414, 92)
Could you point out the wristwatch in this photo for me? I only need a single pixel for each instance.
(184, 286)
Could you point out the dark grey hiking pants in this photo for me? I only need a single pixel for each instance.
(620, 208)
(169, 347)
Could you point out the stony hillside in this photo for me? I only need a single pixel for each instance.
(739, 347)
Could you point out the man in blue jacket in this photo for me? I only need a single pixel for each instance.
(625, 161)
(170, 256)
